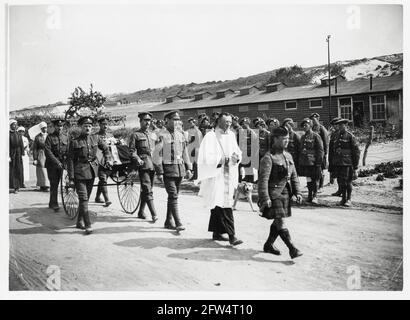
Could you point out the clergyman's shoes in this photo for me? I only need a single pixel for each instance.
(219, 237)
(294, 253)
(80, 226)
(234, 241)
(270, 248)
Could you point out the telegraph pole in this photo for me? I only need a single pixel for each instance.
(328, 68)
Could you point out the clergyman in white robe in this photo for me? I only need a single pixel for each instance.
(218, 159)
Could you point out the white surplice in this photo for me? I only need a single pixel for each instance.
(218, 184)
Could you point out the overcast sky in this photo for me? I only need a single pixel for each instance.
(125, 48)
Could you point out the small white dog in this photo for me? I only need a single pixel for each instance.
(245, 189)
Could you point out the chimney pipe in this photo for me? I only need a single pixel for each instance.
(371, 82)
(335, 84)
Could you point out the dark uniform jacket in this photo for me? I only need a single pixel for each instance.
(82, 159)
(142, 146)
(322, 132)
(311, 150)
(171, 154)
(344, 150)
(56, 149)
(294, 147)
(276, 171)
(264, 142)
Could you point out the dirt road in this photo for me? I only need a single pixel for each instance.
(126, 253)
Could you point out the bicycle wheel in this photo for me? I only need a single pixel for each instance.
(69, 197)
(129, 193)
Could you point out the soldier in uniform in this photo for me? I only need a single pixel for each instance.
(333, 130)
(272, 123)
(142, 145)
(56, 149)
(172, 165)
(310, 159)
(103, 172)
(214, 118)
(294, 141)
(82, 167)
(264, 137)
(235, 125)
(344, 158)
(321, 130)
(278, 182)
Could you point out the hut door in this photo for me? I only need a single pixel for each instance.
(358, 113)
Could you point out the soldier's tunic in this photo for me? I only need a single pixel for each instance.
(311, 155)
(294, 148)
(172, 161)
(103, 172)
(40, 156)
(278, 182)
(56, 148)
(142, 146)
(16, 149)
(82, 167)
(344, 155)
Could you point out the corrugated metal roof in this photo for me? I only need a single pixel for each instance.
(357, 86)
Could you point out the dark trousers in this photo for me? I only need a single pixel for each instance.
(221, 221)
(147, 183)
(54, 176)
(172, 185)
(103, 175)
(84, 189)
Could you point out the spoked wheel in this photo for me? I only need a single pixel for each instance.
(69, 197)
(129, 193)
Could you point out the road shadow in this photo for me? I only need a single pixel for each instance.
(217, 253)
(170, 243)
(236, 254)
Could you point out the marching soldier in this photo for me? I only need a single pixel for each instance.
(321, 130)
(278, 182)
(344, 158)
(142, 145)
(172, 164)
(56, 148)
(310, 159)
(83, 167)
(294, 141)
(103, 172)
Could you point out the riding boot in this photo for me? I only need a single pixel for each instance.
(151, 208)
(175, 214)
(293, 251)
(141, 210)
(105, 193)
(344, 194)
(349, 188)
(169, 223)
(269, 246)
(309, 185)
(98, 194)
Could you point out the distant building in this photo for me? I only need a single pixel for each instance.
(360, 100)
